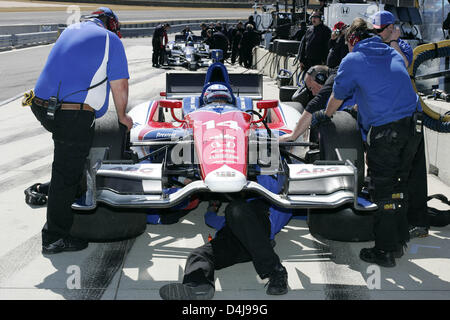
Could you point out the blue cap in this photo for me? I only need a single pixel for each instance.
(382, 18)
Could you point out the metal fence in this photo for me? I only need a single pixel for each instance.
(27, 39)
(6, 41)
(23, 39)
(128, 30)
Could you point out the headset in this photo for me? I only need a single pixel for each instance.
(359, 35)
(320, 76)
(112, 22)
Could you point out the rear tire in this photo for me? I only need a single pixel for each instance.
(286, 93)
(343, 223)
(107, 224)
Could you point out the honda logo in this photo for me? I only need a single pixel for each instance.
(345, 10)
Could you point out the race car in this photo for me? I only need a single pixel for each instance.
(189, 52)
(222, 143)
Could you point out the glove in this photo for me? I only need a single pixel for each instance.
(28, 98)
(319, 118)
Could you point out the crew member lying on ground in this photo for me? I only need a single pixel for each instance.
(245, 234)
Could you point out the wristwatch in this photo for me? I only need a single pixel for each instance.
(393, 41)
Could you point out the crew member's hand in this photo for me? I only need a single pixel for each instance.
(127, 121)
(334, 35)
(286, 138)
(319, 118)
(395, 34)
(302, 66)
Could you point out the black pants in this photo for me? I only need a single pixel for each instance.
(418, 189)
(72, 133)
(158, 53)
(247, 57)
(394, 158)
(245, 237)
(234, 54)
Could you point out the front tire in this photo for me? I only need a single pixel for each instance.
(107, 224)
(343, 223)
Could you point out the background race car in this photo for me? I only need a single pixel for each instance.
(188, 51)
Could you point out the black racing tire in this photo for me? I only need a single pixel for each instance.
(109, 134)
(341, 224)
(286, 93)
(342, 133)
(108, 224)
(105, 223)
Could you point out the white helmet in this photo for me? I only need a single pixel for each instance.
(217, 92)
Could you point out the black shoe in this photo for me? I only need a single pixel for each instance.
(64, 244)
(377, 256)
(180, 291)
(34, 197)
(418, 232)
(277, 284)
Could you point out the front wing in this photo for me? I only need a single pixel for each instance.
(128, 185)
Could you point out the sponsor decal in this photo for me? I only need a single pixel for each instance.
(165, 135)
(317, 170)
(132, 169)
(225, 174)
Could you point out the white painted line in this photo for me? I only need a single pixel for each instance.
(28, 48)
(13, 98)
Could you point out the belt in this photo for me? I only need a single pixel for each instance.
(65, 106)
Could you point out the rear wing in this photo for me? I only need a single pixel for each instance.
(184, 84)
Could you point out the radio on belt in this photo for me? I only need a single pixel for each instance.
(418, 122)
(53, 105)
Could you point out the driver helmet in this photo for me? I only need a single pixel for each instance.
(112, 22)
(217, 93)
(190, 44)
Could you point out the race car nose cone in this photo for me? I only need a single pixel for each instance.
(225, 179)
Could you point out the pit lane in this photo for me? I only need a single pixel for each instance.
(136, 269)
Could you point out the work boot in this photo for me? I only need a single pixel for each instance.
(418, 232)
(64, 245)
(277, 284)
(180, 291)
(377, 256)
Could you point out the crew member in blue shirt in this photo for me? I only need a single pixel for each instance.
(87, 61)
(383, 23)
(375, 74)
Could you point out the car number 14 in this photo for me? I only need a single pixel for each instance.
(211, 124)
